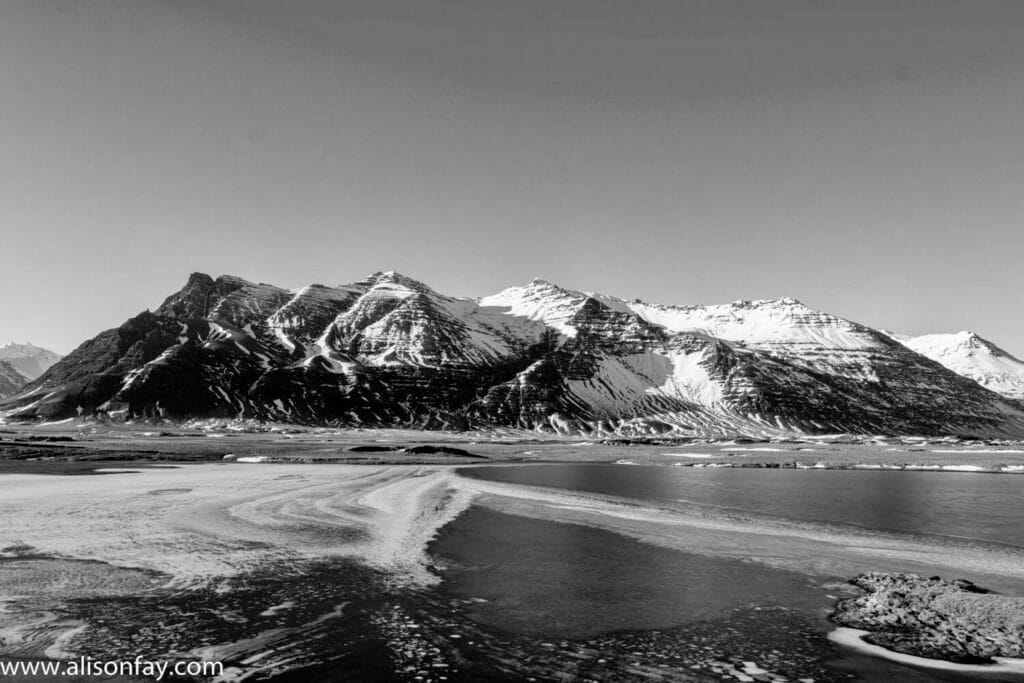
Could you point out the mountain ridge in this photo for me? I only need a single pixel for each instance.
(389, 350)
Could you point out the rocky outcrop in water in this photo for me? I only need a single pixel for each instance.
(390, 351)
(931, 617)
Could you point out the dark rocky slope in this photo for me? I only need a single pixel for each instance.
(11, 381)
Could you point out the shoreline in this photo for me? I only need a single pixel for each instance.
(854, 639)
(386, 514)
(77, 443)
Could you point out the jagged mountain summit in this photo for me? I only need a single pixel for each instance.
(967, 354)
(29, 360)
(11, 381)
(390, 351)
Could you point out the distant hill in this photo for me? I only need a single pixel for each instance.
(28, 359)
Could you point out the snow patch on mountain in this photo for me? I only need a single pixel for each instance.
(539, 301)
(689, 378)
(762, 323)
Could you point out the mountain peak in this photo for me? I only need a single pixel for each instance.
(197, 277)
(538, 286)
(19, 346)
(22, 347)
(971, 355)
(973, 340)
(964, 339)
(779, 302)
(191, 301)
(231, 280)
(199, 294)
(392, 278)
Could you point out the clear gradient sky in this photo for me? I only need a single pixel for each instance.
(864, 157)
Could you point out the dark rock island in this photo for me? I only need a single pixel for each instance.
(931, 617)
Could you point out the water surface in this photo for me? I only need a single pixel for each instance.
(569, 581)
(985, 507)
(549, 579)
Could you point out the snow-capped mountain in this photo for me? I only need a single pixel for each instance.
(390, 351)
(967, 354)
(29, 360)
(10, 379)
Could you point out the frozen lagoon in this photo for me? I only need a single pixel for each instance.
(195, 527)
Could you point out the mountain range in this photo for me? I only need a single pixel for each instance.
(390, 351)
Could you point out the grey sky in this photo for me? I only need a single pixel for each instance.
(864, 157)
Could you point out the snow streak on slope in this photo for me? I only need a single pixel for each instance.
(300, 321)
(967, 354)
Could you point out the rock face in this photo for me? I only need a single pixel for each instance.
(30, 361)
(951, 620)
(11, 381)
(390, 351)
(967, 354)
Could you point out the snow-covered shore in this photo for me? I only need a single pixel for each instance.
(854, 638)
(197, 522)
